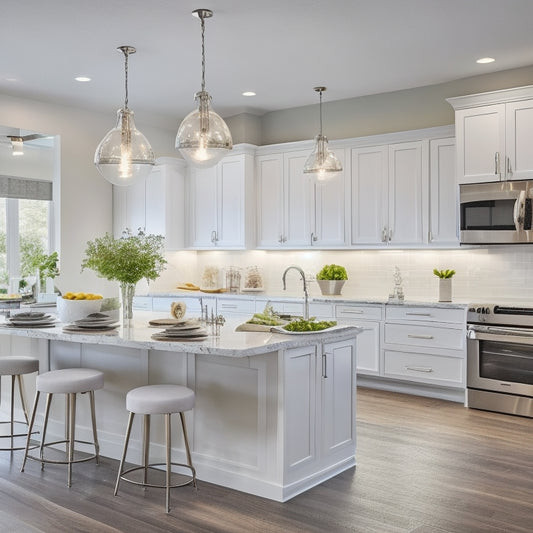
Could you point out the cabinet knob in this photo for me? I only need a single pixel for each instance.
(390, 235)
(314, 238)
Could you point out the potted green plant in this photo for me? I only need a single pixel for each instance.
(126, 260)
(331, 279)
(445, 284)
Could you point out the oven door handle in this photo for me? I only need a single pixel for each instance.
(494, 333)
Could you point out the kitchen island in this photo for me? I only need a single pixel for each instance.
(274, 413)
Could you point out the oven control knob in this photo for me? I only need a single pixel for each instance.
(487, 310)
(478, 310)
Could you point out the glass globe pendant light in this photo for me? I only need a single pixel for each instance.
(203, 137)
(124, 156)
(322, 162)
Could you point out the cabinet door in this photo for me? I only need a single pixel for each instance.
(337, 398)
(270, 201)
(330, 197)
(519, 140)
(408, 193)
(299, 207)
(230, 202)
(203, 207)
(154, 202)
(480, 136)
(129, 207)
(367, 354)
(443, 216)
(369, 199)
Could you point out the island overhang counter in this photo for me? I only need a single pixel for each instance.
(274, 414)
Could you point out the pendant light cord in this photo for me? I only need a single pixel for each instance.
(126, 79)
(320, 93)
(202, 21)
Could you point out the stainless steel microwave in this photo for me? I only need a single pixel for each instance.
(496, 212)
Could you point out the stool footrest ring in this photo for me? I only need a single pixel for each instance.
(58, 462)
(189, 479)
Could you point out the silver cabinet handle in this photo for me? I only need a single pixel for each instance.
(228, 306)
(419, 368)
(280, 240)
(390, 235)
(353, 312)
(214, 237)
(314, 238)
(497, 163)
(384, 235)
(509, 168)
(325, 365)
(430, 236)
(427, 337)
(418, 314)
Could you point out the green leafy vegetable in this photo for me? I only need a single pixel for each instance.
(443, 274)
(309, 325)
(332, 272)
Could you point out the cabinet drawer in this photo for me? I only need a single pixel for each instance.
(437, 369)
(426, 336)
(371, 312)
(425, 314)
(235, 306)
(321, 311)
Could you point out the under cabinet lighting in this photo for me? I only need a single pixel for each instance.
(484, 60)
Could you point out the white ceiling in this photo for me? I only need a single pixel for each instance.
(280, 49)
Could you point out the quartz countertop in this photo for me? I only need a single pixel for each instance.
(230, 343)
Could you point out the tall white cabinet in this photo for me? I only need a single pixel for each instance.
(220, 205)
(294, 210)
(155, 204)
(494, 133)
(389, 194)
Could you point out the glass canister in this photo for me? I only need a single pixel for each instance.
(233, 279)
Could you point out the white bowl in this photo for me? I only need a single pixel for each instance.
(70, 310)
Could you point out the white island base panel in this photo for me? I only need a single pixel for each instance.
(273, 424)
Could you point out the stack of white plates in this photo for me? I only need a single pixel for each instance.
(184, 331)
(31, 319)
(93, 323)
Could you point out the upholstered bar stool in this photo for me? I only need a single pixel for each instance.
(16, 367)
(68, 381)
(158, 400)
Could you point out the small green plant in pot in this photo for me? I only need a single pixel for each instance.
(331, 279)
(445, 284)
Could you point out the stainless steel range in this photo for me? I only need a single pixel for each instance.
(500, 358)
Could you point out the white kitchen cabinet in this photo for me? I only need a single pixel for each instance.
(369, 318)
(494, 134)
(293, 208)
(220, 207)
(389, 204)
(443, 201)
(425, 345)
(155, 204)
(319, 426)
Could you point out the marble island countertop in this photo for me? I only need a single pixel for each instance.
(230, 343)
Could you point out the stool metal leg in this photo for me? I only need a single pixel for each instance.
(71, 435)
(45, 426)
(123, 459)
(12, 412)
(95, 434)
(187, 448)
(168, 447)
(23, 397)
(30, 428)
(146, 447)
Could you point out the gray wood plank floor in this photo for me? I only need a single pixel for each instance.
(424, 466)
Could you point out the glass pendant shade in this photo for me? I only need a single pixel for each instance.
(322, 161)
(203, 137)
(124, 156)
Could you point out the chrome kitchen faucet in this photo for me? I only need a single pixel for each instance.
(306, 295)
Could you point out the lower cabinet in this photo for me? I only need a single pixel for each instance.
(369, 318)
(319, 426)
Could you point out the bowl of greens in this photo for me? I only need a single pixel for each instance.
(302, 326)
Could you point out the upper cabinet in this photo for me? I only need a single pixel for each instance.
(220, 206)
(155, 204)
(294, 210)
(494, 133)
(389, 194)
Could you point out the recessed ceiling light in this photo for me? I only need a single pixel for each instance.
(82, 78)
(248, 93)
(485, 60)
